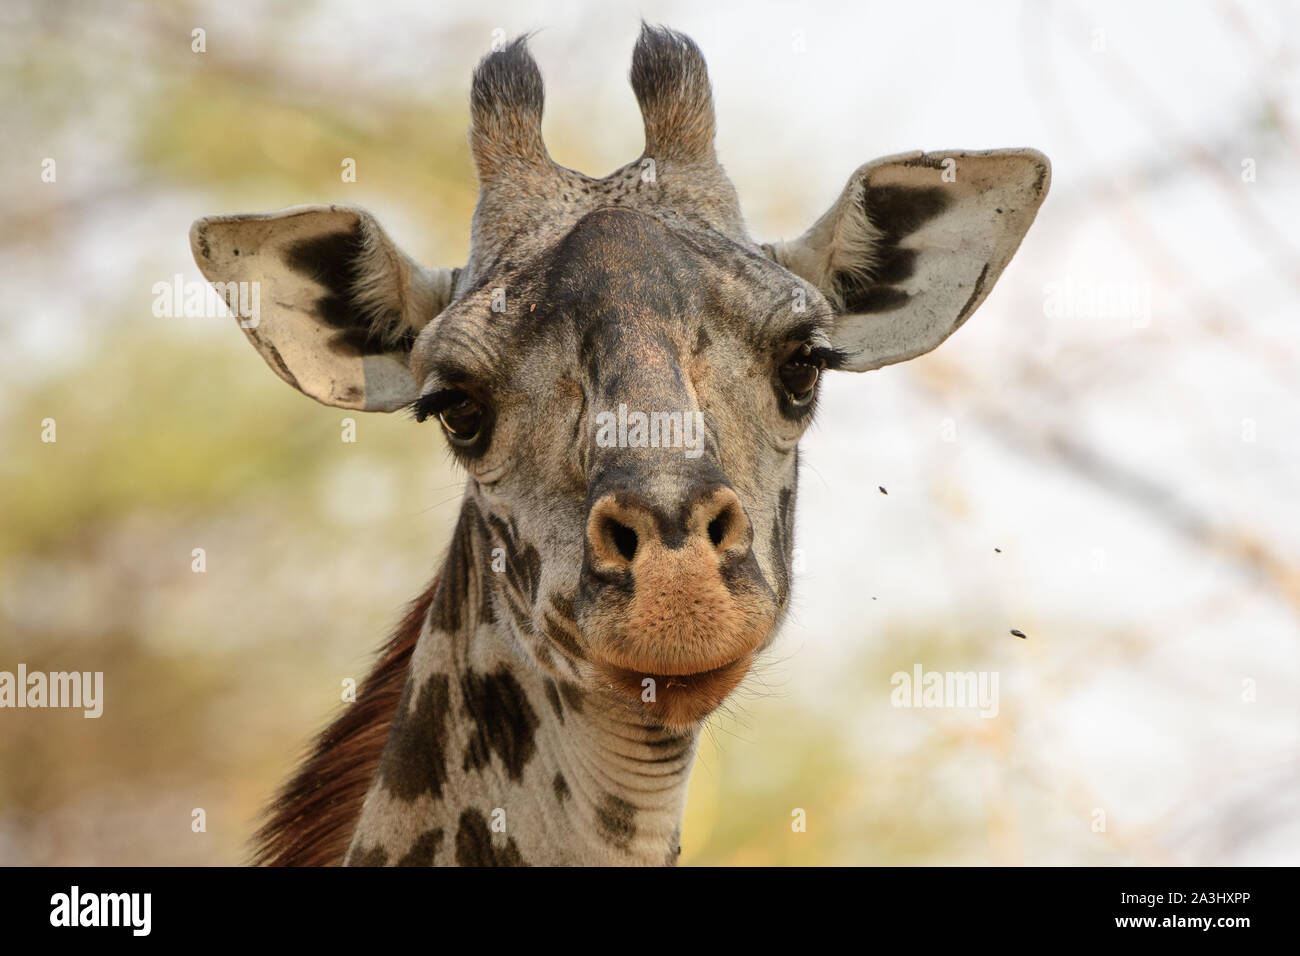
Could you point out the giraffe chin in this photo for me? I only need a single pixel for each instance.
(680, 701)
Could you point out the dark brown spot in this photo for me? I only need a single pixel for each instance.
(563, 605)
(572, 696)
(478, 529)
(519, 613)
(474, 844)
(414, 761)
(616, 820)
(375, 856)
(447, 612)
(523, 564)
(504, 722)
(553, 695)
(702, 341)
(423, 850)
(561, 636)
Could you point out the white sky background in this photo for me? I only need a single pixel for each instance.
(1139, 639)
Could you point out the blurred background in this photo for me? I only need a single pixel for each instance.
(1106, 458)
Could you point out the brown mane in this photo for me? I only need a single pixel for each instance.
(311, 820)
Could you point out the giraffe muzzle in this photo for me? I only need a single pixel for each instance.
(672, 604)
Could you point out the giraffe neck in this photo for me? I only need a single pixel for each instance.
(493, 759)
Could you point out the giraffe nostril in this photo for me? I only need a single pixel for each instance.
(728, 529)
(624, 539)
(718, 527)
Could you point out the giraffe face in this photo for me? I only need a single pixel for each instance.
(621, 369)
(629, 421)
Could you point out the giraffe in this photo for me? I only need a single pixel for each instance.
(624, 375)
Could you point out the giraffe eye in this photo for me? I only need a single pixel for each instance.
(799, 376)
(462, 420)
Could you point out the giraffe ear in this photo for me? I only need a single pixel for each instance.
(914, 244)
(326, 298)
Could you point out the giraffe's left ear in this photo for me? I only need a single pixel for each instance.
(914, 244)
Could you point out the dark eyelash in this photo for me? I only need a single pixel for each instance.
(818, 326)
(427, 406)
(830, 358)
(420, 409)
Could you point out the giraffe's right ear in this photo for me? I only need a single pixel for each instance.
(327, 299)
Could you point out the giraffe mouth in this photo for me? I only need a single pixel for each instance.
(681, 634)
(679, 701)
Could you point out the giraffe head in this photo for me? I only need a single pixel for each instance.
(623, 372)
